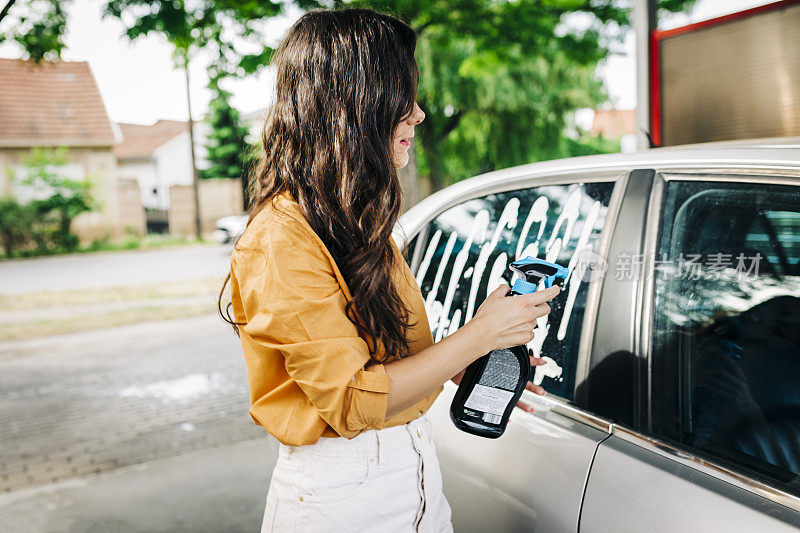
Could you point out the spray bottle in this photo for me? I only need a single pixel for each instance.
(493, 383)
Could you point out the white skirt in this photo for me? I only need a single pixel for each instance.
(381, 480)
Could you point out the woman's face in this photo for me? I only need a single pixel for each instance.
(402, 136)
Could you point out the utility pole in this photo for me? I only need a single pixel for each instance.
(196, 187)
(644, 24)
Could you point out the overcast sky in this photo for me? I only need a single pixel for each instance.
(139, 83)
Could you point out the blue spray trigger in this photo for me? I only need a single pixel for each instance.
(533, 271)
(549, 281)
(483, 413)
(523, 287)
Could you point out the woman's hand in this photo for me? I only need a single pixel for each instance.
(536, 389)
(502, 322)
(499, 323)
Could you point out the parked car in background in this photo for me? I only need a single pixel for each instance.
(229, 228)
(673, 353)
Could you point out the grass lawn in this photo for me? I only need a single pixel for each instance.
(33, 315)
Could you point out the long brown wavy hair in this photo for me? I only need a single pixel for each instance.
(345, 79)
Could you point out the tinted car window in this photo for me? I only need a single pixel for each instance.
(726, 337)
(468, 249)
(408, 250)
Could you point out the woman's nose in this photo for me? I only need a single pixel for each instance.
(418, 115)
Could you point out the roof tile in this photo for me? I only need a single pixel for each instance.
(140, 141)
(53, 103)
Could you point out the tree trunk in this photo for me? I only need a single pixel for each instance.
(436, 178)
(195, 181)
(244, 179)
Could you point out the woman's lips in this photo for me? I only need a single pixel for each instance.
(406, 142)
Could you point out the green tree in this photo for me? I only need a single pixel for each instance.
(55, 200)
(16, 221)
(499, 79)
(226, 145)
(37, 26)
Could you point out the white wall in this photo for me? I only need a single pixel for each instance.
(144, 171)
(174, 161)
(170, 165)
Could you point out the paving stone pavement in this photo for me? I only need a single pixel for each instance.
(216, 490)
(89, 402)
(120, 267)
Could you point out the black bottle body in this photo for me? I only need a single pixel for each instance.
(490, 389)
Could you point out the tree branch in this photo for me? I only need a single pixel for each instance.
(422, 27)
(5, 9)
(451, 124)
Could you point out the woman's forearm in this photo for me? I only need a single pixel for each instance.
(416, 376)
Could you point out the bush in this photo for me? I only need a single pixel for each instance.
(16, 221)
(55, 201)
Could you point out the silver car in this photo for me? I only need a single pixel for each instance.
(673, 351)
(229, 228)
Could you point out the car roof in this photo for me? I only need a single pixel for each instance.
(772, 152)
(776, 154)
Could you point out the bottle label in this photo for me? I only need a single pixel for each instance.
(489, 400)
(502, 370)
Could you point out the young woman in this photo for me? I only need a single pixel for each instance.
(340, 359)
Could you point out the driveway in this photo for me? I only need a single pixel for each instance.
(169, 396)
(102, 269)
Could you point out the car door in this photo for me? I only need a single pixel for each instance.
(701, 378)
(532, 477)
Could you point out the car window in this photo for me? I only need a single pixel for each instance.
(774, 234)
(726, 329)
(468, 249)
(408, 249)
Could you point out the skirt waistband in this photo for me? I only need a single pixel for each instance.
(415, 434)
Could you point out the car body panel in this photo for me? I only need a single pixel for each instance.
(561, 457)
(634, 489)
(685, 491)
(529, 479)
(229, 228)
(550, 448)
(614, 337)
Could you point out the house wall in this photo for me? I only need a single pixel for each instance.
(174, 162)
(170, 165)
(143, 171)
(218, 198)
(131, 211)
(112, 218)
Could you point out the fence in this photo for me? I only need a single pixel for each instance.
(218, 198)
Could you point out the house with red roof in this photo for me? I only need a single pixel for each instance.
(58, 104)
(159, 156)
(616, 124)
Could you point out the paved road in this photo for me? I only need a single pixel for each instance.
(141, 427)
(102, 269)
(89, 402)
(217, 490)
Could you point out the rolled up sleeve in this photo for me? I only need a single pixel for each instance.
(292, 302)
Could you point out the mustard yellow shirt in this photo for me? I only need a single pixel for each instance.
(309, 371)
